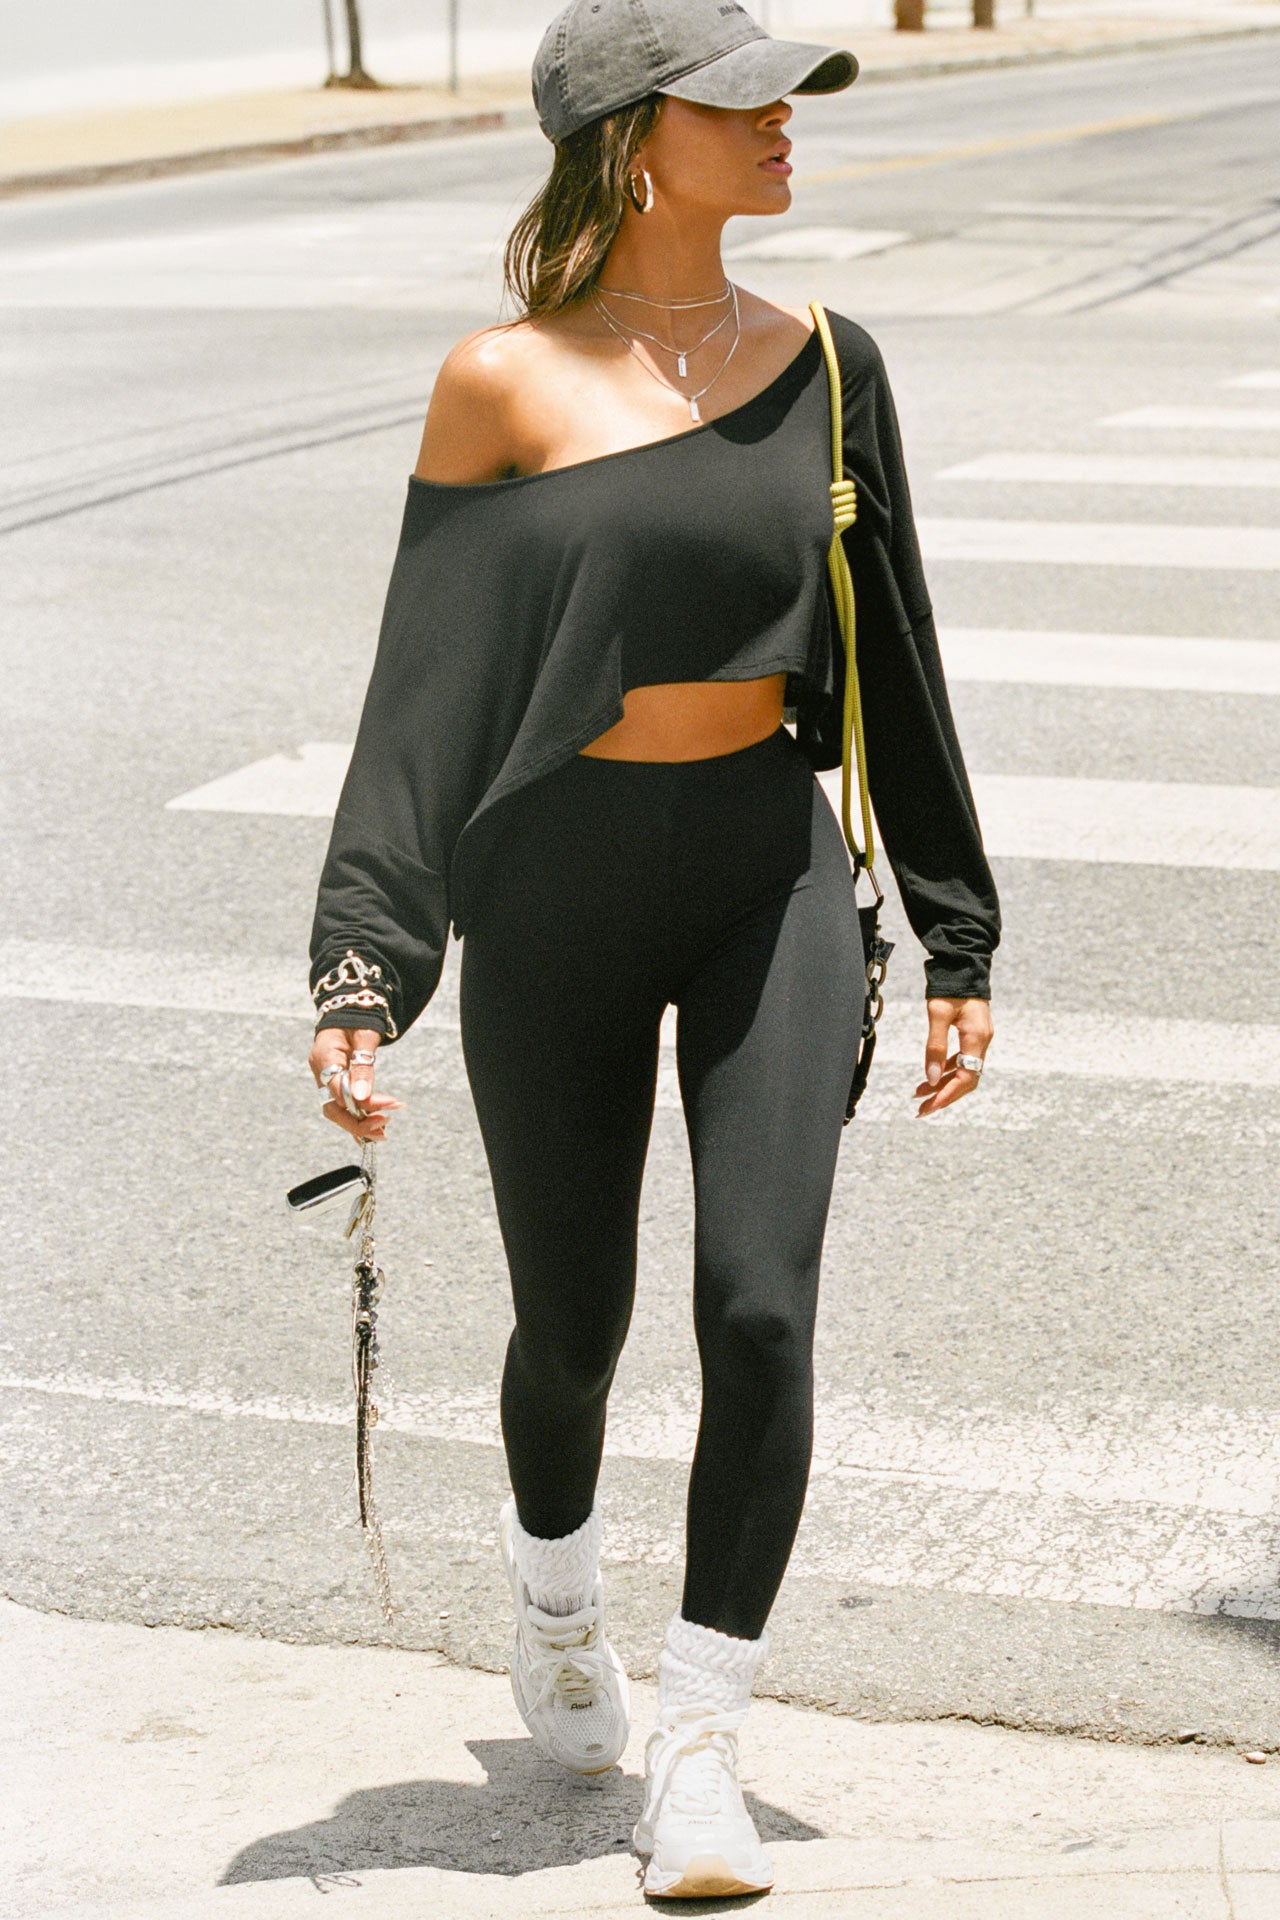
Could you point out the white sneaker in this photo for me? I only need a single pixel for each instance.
(700, 1839)
(568, 1682)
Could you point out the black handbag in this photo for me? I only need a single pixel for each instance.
(853, 752)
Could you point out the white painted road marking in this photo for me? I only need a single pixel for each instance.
(1120, 470)
(817, 243)
(1161, 1507)
(1127, 1047)
(179, 981)
(1093, 210)
(1164, 661)
(1154, 823)
(1127, 822)
(1101, 543)
(1247, 420)
(398, 253)
(1139, 822)
(307, 783)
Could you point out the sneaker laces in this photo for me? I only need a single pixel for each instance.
(570, 1661)
(708, 1743)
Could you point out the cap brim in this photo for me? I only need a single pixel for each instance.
(763, 70)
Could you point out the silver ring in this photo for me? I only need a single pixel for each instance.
(363, 1057)
(327, 1073)
(971, 1062)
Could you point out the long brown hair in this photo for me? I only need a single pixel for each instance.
(558, 245)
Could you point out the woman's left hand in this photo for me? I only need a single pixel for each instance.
(945, 1080)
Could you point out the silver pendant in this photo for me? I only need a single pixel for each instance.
(682, 366)
(693, 410)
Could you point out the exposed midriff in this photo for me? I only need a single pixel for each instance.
(692, 719)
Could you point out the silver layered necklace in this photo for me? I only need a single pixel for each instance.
(680, 354)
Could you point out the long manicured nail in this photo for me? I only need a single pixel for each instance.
(359, 1089)
(932, 1073)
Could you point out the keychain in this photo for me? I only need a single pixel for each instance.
(366, 1290)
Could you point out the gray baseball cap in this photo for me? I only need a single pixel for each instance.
(599, 55)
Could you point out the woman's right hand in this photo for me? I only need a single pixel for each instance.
(334, 1047)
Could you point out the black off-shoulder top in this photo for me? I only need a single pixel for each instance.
(520, 611)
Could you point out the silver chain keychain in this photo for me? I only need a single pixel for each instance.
(367, 1283)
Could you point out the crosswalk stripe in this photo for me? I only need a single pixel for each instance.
(1158, 1507)
(1127, 1047)
(1266, 378)
(1132, 822)
(1119, 470)
(817, 243)
(306, 783)
(1247, 420)
(1108, 210)
(1161, 661)
(1101, 543)
(1157, 823)
(135, 977)
(1130, 1048)
(399, 252)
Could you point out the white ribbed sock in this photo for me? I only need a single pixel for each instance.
(559, 1574)
(699, 1667)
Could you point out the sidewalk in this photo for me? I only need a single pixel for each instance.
(142, 142)
(155, 1774)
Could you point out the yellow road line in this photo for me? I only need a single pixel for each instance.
(1010, 143)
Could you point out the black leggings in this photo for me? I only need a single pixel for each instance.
(723, 887)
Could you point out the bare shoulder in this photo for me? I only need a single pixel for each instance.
(472, 427)
(803, 315)
(859, 355)
(499, 394)
(771, 320)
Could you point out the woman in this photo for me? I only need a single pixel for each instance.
(610, 588)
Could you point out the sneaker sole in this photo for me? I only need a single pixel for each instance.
(707, 1877)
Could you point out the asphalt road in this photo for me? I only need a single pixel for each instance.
(1047, 1490)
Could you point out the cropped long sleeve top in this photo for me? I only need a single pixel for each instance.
(520, 611)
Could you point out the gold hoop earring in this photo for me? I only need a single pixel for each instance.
(645, 205)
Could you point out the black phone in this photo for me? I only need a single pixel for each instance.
(325, 1186)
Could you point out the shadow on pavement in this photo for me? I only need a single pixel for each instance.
(528, 1814)
(1264, 1634)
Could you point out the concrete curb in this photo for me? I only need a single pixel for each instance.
(253, 153)
(1137, 1876)
(517, 118)
(172, 1775)
(1042, 56)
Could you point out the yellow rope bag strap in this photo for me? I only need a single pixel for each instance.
(844, 508)
(844, 511)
